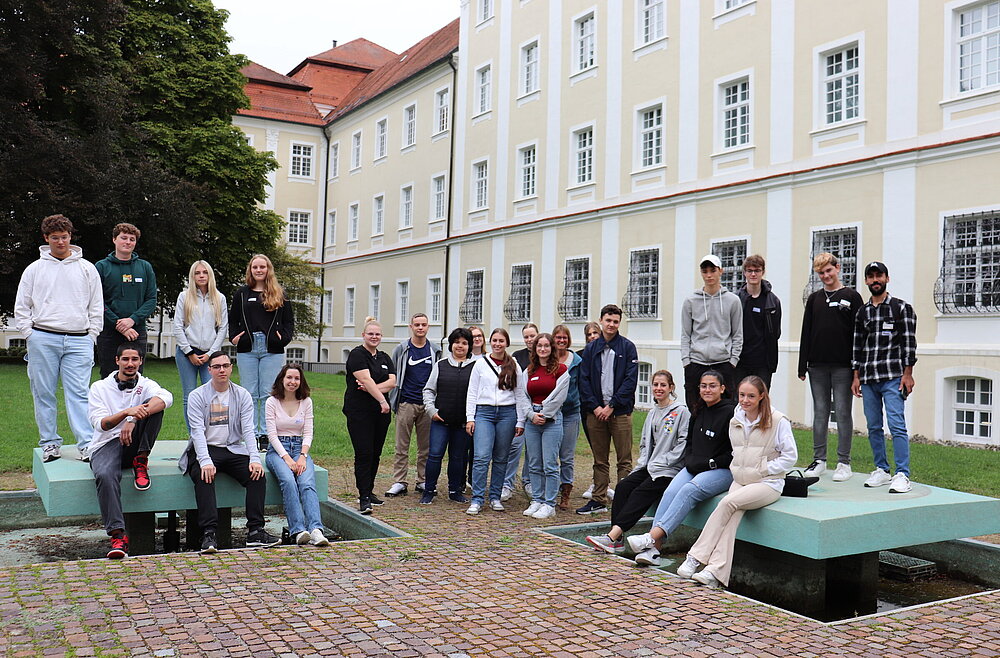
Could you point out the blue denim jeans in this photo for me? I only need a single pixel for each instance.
(513, 461)
(874, 397)
(567, 449)
(51, 357)
(298, 492)
(454, 440)
(685, 491)
(190, 374)
(258, 370)
(491, 443)
(542, 443)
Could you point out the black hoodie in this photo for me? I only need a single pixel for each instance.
(708, 437)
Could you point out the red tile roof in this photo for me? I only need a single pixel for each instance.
(360, 53)
(257, 73)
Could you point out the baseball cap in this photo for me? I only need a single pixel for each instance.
(876, 266)
(710, 259)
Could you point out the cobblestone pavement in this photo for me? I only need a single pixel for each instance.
(460, 586)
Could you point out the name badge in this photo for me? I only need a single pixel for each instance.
(385, 367)
(832, 304)
(709, 432)
(756, 309)
(886, 333)
(251, 299)
(887, 326)
(534, 379)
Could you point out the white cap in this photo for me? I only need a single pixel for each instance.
(711, 259)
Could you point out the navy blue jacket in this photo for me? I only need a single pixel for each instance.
(626, 375)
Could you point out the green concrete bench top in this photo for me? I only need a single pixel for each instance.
(845, 518)
(66, 486)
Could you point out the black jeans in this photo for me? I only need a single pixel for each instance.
(108, 342)
(367, 432)
(108, 461)
(692, 378)
(237, 467)
(635, 494)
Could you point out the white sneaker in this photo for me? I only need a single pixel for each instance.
(640, 543)
(532, 508)
(302, 538)
(611, 493)
(506, 493)
(398, 489)
(544, 512)
(84, 455)
(648, 558)
(706, 577)
(843, 473)
(900, 483)
(496, 506)
(50, 453)
(317, 538)
(474, 509)
(878, 478)
(527, 489)
(815, 469)
(688, 569)
(589, 492)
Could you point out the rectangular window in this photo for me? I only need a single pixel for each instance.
(471, 311)
(643, 389)
(378, 215)
(732, 254)
(970, 264)
(302, 160)
(732, 4)
(518, 306)
(643, 295)
(651, 21)
(374, 290)
(575, 302)
(409, 125)
(979, 46)
(406, 207)
(335, 160)
(527, 165)
(356, 150)
(439, 197)
(651, 136)
(736, 114)
(403, 302)
(349, 305)
(352, 222)
(18, 343)
(483, 99)
(485, 10)
(841, 85)
(295, 354)
(327, 307)
(842, 243)
(974, 407)
(434, 295)
(583, 149)
(331, 231)
(481, 185)
(298, 227)
(585, 42)
(441, 111)
(529, 68)
(381, 138)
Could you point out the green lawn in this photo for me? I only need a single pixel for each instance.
(964, 469)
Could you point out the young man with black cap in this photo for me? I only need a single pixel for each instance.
(885, 349)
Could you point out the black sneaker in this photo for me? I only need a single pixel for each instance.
(262, 538)
(208, 544)
(428, 497)
(592, 507)
(365, 505)
(375, 500)
(458, 497)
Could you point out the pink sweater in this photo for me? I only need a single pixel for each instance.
(280, 423)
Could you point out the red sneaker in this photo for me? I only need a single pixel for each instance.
(119, 547)
(140, 466)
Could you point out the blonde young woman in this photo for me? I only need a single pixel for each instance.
(200, 325)
(260, 326)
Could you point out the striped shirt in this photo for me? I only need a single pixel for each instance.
(885, 340)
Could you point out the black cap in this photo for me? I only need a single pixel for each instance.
(876, 266)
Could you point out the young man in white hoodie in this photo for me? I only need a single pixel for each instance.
(59, 309)
(711, 331)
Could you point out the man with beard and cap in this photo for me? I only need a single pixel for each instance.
(885, 349)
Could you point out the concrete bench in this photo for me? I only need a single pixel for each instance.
(821, 552)
(66, 487)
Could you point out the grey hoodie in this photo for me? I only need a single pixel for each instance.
(711, 328)
(669, 426)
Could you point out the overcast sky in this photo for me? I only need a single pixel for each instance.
(279, 35)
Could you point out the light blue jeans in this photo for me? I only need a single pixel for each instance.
(567, 450)
(298, 492)
(513, 461)
(50, 357)
(491, 443)
(874, 397)
(258, 370)
(542, 443)
(189, 374)
(685, 491)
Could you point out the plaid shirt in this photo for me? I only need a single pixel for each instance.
(885, 342)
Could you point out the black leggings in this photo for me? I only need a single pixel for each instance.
(634, 495)
(367, 432)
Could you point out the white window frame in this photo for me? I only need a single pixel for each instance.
(651, 22)
(402, 301)
(406, 207)
(334, 160)
(644, 385)
(331, 231)
(349, 306)
(519, 301)
(439, 198)
(378, 214)
(574, 306)
(327, 307)
(483, 101)
(584, 52)
(641, 285)
(435, 299)
(986, 38)
(298, 227)
(657, 133)
(409, 125)
(353, 221)
(356, 153)
(581, 159)
(732, 273)
(374, 298)
(722, 109)
(850, 272)
(530, 79)
(968, 263)
(480, 198)
(527, 171)
(477, 299)
(484, 11)
(381, 139)
(978, 413)
(295, 354)
(442, 111)
(306, 162)
(821, 119)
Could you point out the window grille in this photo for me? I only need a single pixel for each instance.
(641, 300)
(969, 281)
(471, 311)
(518, 306)
(732, 254)
(575, 301)
(842, 243)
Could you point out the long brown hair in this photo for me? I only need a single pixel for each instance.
(764, 406)
(507, 381)
(278, 390)
(534, 363)
(273, 295)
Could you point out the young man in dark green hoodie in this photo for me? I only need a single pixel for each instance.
(129, 296)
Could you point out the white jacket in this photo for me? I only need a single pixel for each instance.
(60, 295)
(106, 399)
(201, 331)
(483, 389)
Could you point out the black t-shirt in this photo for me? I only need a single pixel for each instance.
(378, 365)
(522, 356)
(754, 352)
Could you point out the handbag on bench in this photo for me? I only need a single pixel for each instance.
(797, 486)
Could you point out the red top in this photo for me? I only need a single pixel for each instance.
(541, 383)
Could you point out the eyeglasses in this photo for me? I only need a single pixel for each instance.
(753, 271)
(220, 366)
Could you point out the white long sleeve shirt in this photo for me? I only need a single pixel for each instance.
(106, 399)
(784, 443)
(60, 295)
(484, 389)
(200, 331)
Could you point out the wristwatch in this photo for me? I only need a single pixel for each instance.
(129, 419)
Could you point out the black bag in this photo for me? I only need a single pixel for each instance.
(797, 486)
